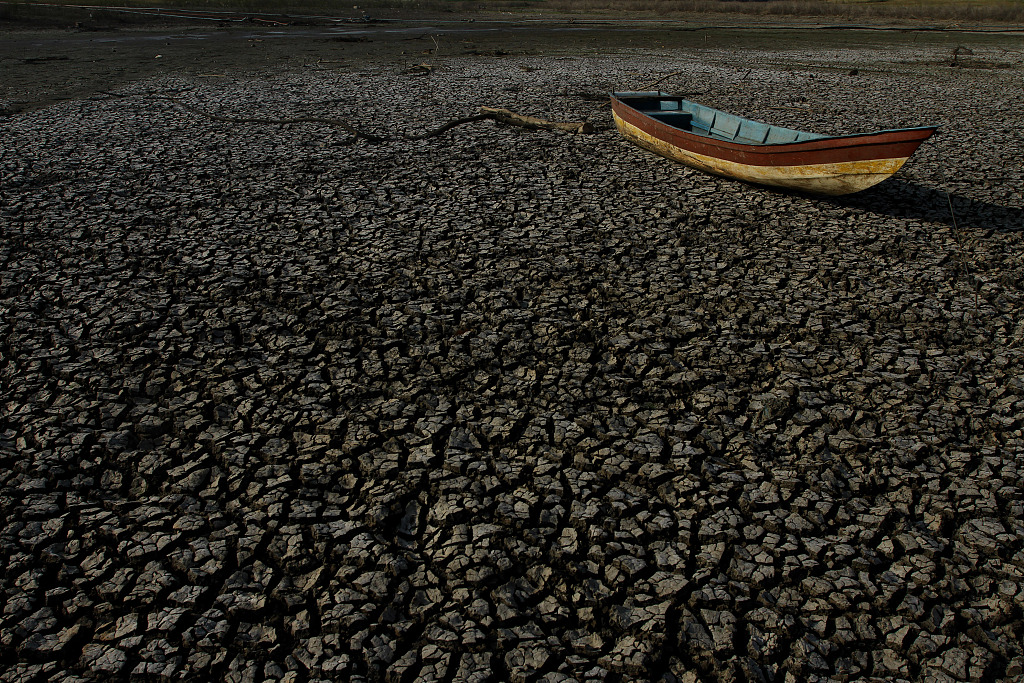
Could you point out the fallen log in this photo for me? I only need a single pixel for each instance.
(511, 118)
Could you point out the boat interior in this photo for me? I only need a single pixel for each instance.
(712, 123)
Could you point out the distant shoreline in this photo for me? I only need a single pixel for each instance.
(47, 64)
(893, 14)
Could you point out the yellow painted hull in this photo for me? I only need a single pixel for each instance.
(829, 179)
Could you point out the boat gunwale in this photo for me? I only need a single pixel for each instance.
(825, 142)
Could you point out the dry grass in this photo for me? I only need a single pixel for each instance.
(973, 11)
(1002, 11)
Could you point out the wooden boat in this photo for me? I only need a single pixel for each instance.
(735, 147)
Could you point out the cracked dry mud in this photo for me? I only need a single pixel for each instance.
(509, 405)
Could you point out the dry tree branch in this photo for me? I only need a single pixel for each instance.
(498, 115)
(446, 127)
(532, 122)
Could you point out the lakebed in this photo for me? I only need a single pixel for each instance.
(280, 403)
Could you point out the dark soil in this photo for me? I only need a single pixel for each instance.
(282, 404)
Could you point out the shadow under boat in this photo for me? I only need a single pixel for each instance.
(904, 198)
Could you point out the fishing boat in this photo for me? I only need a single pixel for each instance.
(735, 147)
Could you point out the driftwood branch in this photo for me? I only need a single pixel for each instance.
(440, 130)
(513, 119)
(421, 69)
(486, 113)
(510, 118)
(665, 77)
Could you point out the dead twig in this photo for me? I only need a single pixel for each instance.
(448, 126)
(511, 118)
(503, 116)
(426, 68)
(663, 78)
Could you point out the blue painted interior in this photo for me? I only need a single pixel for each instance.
(700, 120)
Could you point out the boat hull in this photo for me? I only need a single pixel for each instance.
(824, 165)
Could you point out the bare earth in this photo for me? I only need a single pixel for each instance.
(279, 404)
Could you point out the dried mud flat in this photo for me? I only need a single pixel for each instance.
(509, 405)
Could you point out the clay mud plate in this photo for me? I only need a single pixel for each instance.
(283, 404)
